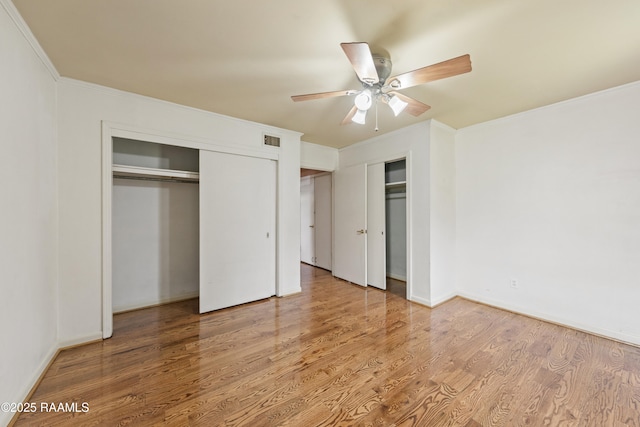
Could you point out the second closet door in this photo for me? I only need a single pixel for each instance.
(237, 229)
(376, 268)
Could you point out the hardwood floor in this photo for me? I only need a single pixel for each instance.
(341, 355)
(397, 287)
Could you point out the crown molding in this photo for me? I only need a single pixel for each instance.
(22, 26)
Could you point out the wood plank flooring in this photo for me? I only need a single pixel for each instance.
(341, 355)
(397, 287)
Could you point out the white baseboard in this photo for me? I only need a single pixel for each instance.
(547, 317)
(161, 301)
(397, 276)
(84, 339)
(442, 299)
(419, 300)
(34, 380)
(590, 329)
(288, 292)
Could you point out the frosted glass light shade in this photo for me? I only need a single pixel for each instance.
(359, 117)
(364, 100)
(397, 104)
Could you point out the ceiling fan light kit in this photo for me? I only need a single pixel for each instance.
(363, 100)
(396, 104)
(373, 71)
(359, 117)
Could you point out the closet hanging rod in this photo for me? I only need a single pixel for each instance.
(155, 178)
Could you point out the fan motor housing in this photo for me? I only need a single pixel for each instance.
(383, 66)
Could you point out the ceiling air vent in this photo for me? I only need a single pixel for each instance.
(272, 140)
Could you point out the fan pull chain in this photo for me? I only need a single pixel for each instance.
(376, 129)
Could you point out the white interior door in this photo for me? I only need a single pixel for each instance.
(307, 202)
(237, 229)
(323, 229)
(350, 239)
(376, 239)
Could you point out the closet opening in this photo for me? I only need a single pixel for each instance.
(185, 222)
(155, 224)
(395, 175)
(387, 226)
(316, 218)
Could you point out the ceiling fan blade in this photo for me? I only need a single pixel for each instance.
(449, 68)
(361, 59)
(322, 95)
(349, 116)
(415, 107)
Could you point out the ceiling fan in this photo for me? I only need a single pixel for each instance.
(373, 71)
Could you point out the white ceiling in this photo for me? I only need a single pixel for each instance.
(245, 58)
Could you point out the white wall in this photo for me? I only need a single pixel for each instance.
(412, 142)
(82, 108)
(551, 198)
(155, 242)
(320, 157)
(28, 216)
(396, 235)
(288, 223)
(157, 156)
(442, 191)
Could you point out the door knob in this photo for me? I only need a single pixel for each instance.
(361, 231)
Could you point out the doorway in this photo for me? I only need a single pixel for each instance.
(387, 226)
(360, 223)
(228, 177)
(396, 227)
(316, 218)
(155, 224)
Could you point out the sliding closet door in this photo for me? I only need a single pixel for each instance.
(237, 229)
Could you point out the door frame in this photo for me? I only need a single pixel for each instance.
(111, 130)
(312, 179)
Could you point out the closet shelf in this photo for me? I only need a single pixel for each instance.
(395, 184)
(138, 171)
